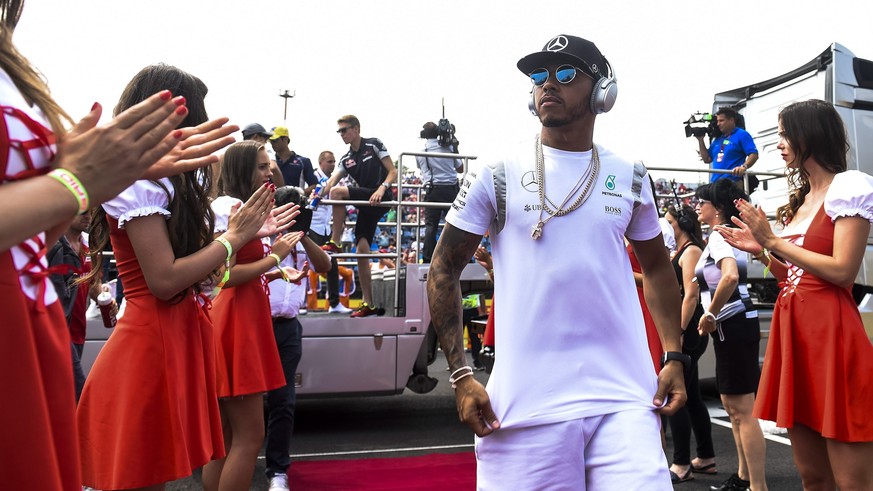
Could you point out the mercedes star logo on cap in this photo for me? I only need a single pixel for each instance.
(557, 43)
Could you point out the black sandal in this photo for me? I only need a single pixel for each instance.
(676, 478)
(705, 469)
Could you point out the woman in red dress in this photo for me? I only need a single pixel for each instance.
(247, 358)
(817, 379)
(38, 447)
(149, 410)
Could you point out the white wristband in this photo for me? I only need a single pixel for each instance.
(455, 377)
(455, 380)
(709, 315)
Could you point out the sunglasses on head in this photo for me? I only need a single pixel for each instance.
(563, 74)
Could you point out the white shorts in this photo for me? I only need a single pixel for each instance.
(619, 451)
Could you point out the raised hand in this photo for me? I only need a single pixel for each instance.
(109, 158)
(483, 257)
(741, 237)
(284, 244)
(294, 275)
(247, 219)
(194, 149)
(756, 220)
(279, 220)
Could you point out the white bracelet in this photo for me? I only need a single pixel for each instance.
(454, 377)
(709, 315)
(455, 380)
(458, 370)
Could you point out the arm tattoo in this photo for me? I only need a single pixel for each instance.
(452, 253)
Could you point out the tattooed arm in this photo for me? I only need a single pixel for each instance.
(452, 254)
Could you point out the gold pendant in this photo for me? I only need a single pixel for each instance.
(537, 231)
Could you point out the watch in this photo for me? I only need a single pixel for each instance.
(675, 355)
(387, 186)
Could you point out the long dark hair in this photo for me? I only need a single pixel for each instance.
(686, 220)
(25, 76)
(191, 219)
(814, 129)
(722, 194)
(238, 168)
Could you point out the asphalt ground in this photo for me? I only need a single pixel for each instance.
(417, 424)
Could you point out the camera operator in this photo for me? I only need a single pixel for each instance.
(733, 150)
(440, 178)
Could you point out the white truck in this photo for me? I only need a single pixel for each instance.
(836, 76)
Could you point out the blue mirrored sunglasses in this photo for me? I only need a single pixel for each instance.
(563, 74)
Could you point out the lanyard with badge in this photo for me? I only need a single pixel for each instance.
(724, 142)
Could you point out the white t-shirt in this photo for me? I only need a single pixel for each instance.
(287, 298)
(321, 215)
(708, 267)
(568, 324)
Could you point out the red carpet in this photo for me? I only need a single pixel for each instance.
(455, 471)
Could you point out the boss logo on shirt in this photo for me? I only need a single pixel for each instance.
(612, 210)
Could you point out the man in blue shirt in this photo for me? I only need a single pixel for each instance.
(733, 150)
(296, 169)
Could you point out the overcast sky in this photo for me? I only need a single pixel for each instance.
(391, 62)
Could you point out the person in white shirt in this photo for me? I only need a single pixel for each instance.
(572, 402)
(319, 232)
(286, 299)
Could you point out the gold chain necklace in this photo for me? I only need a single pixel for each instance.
(592, 171)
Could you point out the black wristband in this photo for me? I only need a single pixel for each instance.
(676, 355)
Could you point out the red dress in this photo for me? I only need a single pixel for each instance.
(818, 370)
(149, 410)
(656, 350)
(37, 416)
(248, 359)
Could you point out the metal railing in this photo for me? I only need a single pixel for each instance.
(399, 206)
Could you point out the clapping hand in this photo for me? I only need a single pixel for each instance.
(483, 257)
(754, 229)
(279, 220)
(294, 275)
(194, 149)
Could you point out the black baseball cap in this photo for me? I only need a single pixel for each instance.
(255, 129)
(567, 49)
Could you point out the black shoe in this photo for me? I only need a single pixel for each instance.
(733, 483)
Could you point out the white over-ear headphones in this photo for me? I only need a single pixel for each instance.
(603, 94)
(605, 91)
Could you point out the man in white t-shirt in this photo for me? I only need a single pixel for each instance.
(573, 402)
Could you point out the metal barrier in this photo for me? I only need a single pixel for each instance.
(399, 205)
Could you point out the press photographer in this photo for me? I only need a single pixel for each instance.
(731, 149)
(439, 175)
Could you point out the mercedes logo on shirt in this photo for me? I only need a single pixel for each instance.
(529, 182)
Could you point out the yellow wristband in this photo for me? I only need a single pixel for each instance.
(229, 248)
(74, 185)
(279, 265)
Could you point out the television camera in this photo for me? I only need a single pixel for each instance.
(701, 124)
(444, 132)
